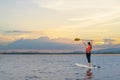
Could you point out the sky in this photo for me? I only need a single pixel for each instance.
(59, 19)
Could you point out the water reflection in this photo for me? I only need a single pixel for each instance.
(86, 75)
(89, 74)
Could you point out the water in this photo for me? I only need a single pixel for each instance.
(57, 67)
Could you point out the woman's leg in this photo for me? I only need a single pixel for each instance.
(88, 55)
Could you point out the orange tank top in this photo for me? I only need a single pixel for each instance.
(88, 49)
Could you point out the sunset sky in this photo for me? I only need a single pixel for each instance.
(59, 19)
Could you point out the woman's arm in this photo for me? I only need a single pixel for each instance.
(84, 43)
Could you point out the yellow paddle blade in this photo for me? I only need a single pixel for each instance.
(77, 39)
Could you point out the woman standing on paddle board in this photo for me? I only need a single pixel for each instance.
(88, 53)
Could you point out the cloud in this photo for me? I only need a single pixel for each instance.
(105, 41)
(77, 4)
(89, 18)
(50, 4)
(18, 31)
(108, 41)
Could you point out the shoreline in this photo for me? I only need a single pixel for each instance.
(37, 53)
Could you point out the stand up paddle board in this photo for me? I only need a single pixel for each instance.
(85, 66)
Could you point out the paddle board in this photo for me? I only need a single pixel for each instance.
(84, 66)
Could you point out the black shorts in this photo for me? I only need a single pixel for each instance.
(88, 55)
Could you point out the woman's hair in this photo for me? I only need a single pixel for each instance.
(90, 44)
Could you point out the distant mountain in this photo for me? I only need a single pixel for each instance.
(42, 43)
(108, 50)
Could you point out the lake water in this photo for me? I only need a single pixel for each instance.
(58, 67)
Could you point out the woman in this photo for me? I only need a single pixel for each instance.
(88, 53)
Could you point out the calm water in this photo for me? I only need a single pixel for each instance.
(57, 67)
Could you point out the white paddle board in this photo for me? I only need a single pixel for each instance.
(84, 66)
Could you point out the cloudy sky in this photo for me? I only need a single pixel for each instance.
(59, 19)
